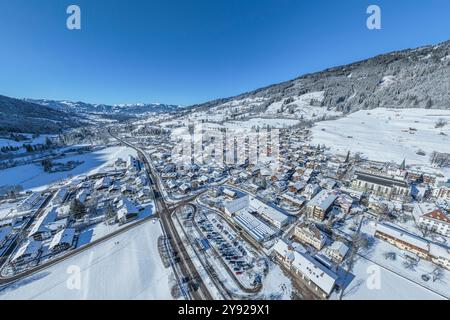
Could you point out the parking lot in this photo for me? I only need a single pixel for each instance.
(234, 252)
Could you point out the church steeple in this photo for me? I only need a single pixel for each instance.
(347, 159)
(403, 165)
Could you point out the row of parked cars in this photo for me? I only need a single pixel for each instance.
(228, 246)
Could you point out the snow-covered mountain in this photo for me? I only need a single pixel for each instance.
(122, 109)
(413, 78)
(22, 116)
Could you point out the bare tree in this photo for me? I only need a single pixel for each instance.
(390, 256)
(410, 264)
(440, 123)
(438, 274)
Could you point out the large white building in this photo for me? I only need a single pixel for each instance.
(436, 221)
(407, 241)
(320, 205)
(254, 205)
(381, 185)
(310, 234)
(257, 229)
(306, 268)
(442, 191)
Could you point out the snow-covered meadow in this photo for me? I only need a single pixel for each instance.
(32, 176)
(276, 123)
(387, 134)
(125, 267)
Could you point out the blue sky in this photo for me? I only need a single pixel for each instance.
(190, 51)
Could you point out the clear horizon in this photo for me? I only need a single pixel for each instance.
(191, 52)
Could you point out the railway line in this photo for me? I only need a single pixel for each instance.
(189, 274)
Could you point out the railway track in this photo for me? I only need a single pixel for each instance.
(189, 274)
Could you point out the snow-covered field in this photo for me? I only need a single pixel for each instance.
(125, 267)
(262, 123)
(391, 286)
(377, 277)
(32, 176)
(32, 141)
(384, 134)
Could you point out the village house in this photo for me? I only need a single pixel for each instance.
(169, 175)
(306, 268)
(103, 183)
(127, 189)
(254, 188)
(293, 199)
(203, 179)
(440, 256)
(296, 187)
(5, 232)
(337, 251)
(229, 193)
(63, 212)
(436, 221)
(141, 181)
(60, 196)
(310, 191)
(378, 205)
(320, 205)
(29, 251)
(172, 184)
(31, 202)
(127, 211)
(145, 192)
(310, 234)
(40, 230)
(62, 241)
(280, 185)
(215, 192)
(83, 195)
(185, 188)
(297, 176)
(345, 202)
(115, 187)
(327, 183)
(442, 190)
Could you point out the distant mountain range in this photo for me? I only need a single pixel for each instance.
(51, 116)
(122, 109)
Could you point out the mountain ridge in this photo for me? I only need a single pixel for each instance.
(418, 77)
(17, 115)
(118, 109)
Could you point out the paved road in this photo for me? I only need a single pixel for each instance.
(189, 272)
